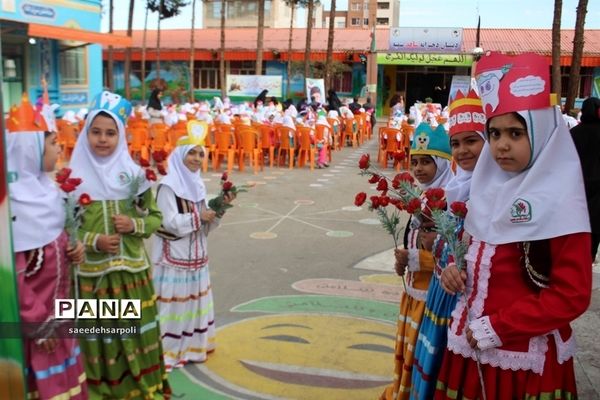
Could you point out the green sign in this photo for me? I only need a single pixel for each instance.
(450, 60)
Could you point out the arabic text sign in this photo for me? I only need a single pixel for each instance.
(426, 40)
(451, 60)
(252, 85)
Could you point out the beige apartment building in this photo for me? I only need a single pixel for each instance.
(365, 13)
(244, 14)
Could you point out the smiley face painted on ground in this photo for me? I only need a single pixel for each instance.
(303, 356)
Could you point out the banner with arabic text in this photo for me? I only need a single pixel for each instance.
(426, 40)
(449, 60)
(252, 85)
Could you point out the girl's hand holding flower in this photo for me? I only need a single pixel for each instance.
(109, 243)
(453, 280)
(77, 253)
(123, 224)
(229, 197)
(472, 341)
(401, 261)
(208, 215)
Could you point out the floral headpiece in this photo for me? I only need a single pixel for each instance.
(431, 142)
(466, 113)
(114, 103)
(513, 83)
(22, 118)
(196, 134)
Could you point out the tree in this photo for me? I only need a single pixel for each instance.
(309, 25)
(127, 69)
(222, 61)
(292, 4)
(166, 9)
(259, 36)
(144, 54)
(192, 51)
(577, 54)
(330, 39)
(556, 48)
(111, 61)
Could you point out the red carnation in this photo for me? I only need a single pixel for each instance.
(382, 185)
(224, 176)
(459, 208)
(227, 186)
(437, 204)
(63, 174)
(158, 156)
(414, 206)
(85, 199)
(399, 156)
(73, 181)
(384, 201)
(364, 161)
(374, 178)
(161, 169)
(360, 199)
(405, 177)
(374, 202)
(434, 194)
(150, 175)
(67, 187)
(144, 163)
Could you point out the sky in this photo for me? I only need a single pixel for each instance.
(414, 13)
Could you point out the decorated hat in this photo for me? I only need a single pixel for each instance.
(22, 118)
(196, 134)
(466, 113)
(114, 103)
(430, 142)
(513, 83)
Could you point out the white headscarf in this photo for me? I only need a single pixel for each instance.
(460, 185)
(289, 122)
(443, 174)
(105, 178)
(35, 201)
(549, 194)
(185, 183)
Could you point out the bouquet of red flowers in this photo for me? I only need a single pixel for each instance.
(134, 188)
(74, 207)
(218, 204)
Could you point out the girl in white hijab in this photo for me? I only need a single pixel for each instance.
(180, 254)
(528, 269)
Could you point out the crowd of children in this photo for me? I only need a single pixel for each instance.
(494, 328)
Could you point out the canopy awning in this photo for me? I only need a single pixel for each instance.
(79, 35)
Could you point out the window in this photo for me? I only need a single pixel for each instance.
(366, 21)
(206, 75)
(383, 21)
(356, 6)
(343, 83)
(73, 66)
(383, 6)
(355, 21)
(242, 67)
(366, 6)
(216, 9)
(340, 24)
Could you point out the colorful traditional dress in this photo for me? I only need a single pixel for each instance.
(182, 281)
(43, 272)
(126, 367)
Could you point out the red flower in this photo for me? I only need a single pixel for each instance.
(227, 186)
(382, 185)
(437, 204)
(224, 177)
(459, 208)
(161, 169)
(63, 174)
(374, 178)
(158, 156)
(374, 202)
(364, 161)
(73, 181)
(405, 177)
(144, 163)
(67, 187)
(85, 199)
(399, 205)
(414, 206)
(434, 194)
(360, 199)
(150, 175)
(384, 201)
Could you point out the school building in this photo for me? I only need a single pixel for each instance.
(60, 39)
(403, 61)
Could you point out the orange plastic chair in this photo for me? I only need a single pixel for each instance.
(336, 134)
(392, 146)
(137, 145)
(248, 146)
(174, 134)
(287, 141)
(320, 135)
(266, 144)
(159, 137)
(66, 138)
(361, 133)
(407, 134)
(225, 145)
(306, 149)
(350, 131)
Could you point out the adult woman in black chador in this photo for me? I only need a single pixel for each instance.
(262, 97)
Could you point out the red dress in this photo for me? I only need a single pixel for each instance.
(524, 332)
